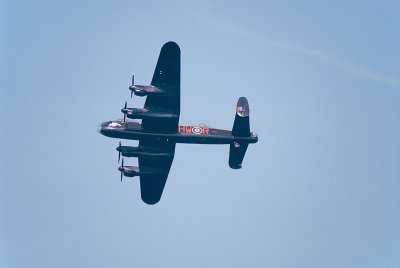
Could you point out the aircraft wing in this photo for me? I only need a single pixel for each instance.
(167, 77)
(152, 184)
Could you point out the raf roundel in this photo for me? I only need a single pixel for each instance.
(197, 130)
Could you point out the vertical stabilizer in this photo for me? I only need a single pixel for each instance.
(241, 128)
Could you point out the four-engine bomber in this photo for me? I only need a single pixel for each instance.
(159, 129)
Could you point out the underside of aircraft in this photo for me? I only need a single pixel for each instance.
(159, 129)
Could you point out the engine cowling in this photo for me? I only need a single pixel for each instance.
(130, 151)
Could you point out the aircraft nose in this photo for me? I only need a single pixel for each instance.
(104, 129)
(99, 128)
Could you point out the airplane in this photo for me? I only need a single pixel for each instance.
(159, 130)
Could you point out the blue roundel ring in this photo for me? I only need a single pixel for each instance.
(197, 130)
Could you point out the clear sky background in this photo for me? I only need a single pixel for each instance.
(321, 188)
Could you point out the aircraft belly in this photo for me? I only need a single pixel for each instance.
(203, 139)
(221, 138)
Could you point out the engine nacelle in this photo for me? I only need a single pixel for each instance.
(139, 90)
(138, 113)
(130, 151)
(145, 90)
(129, 171)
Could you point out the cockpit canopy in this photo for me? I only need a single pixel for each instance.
(114, 124)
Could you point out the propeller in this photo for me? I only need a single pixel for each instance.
(119, 151)
(121, 168)
(133, 83)
(125, 111)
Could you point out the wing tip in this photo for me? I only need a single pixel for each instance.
(150, 201)
(171, 45)
(151, 188)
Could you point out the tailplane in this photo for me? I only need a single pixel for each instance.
(241, 134)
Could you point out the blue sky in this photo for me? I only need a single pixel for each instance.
(319, 189)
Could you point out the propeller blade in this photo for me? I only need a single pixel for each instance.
(124, 111)
(122, 170)
(133, 83)
(119, 151)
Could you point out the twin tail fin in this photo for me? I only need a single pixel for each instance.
(241, 129)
